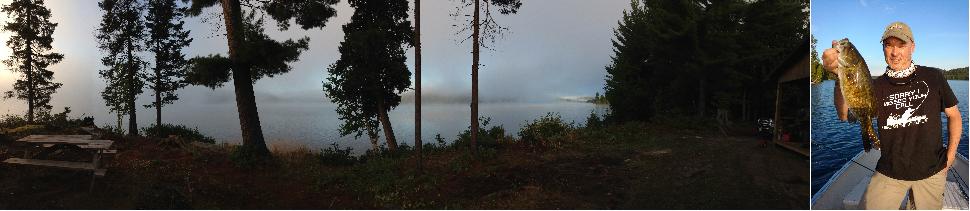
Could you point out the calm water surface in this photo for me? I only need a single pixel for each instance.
(836, 142)
(315, 124)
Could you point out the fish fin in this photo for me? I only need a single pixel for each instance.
(852, 117)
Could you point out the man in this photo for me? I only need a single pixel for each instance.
(908, 101)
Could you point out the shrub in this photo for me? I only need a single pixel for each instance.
(382, 151)
(183, 132)
(594, 121)
(336, 156)
(12, 121)
(112, 131)
(490, 138)
(438, 145)
(62, 120)
(548, 130)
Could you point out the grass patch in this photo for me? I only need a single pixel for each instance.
(607, 166)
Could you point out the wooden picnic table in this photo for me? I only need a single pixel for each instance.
(55, 138)
(84, 142)
(81, 141)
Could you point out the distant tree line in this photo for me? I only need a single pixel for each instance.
(693, 57)
(956, 74)
(818, 72)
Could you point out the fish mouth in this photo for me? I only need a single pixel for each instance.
(843, 45)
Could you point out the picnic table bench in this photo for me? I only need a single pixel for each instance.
(96, 147)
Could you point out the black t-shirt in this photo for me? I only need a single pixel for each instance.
(910, 126)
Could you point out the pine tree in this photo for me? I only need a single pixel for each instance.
(122, 36)
(666, 54)
(30, 45)
(253, 55)
(367, 80)
(168, 38)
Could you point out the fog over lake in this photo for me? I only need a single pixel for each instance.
(551, 51)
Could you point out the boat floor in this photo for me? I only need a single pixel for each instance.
(846, 187)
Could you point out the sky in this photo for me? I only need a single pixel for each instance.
(558, 48)
(939, 28)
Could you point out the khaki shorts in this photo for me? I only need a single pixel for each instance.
(885, 193)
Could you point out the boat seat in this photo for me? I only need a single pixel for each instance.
(852, 200)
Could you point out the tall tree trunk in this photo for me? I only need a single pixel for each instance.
(132, 119)
(386, 123)
(133, 113)
(474, 105)
(30, 70)
(30, 85)
(120, 118)
(158, 97)
(417, 80)
(252, 133)
(372, 134)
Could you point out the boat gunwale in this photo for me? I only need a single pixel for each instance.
(835, 175)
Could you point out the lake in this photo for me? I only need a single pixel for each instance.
(315, 124)
(835, 142)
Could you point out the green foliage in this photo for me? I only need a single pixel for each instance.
(168, 38)
(549, 130)
(264, 57)
(594, 121)
(112, 130)
(491, 138)
(438, 145)
(675, 56)
(308, 14)
(45, 120)
(122, 36)
(819, 73)
(371, 72)
(62, 120)
(12, 121)
(210, 71)
(183, 133)
(30, 44)
(333, 155)
(267, 57)
(956, 74)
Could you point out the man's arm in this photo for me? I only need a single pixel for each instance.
(955, 128)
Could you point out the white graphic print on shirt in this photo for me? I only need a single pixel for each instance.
(906, 102)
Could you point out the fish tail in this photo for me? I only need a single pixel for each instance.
(874, 138)
(868, 134)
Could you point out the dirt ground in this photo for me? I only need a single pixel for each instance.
(633, 167)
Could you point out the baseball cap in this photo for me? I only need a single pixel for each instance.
(898, 30)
